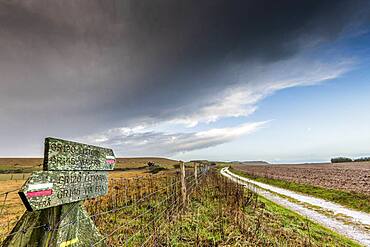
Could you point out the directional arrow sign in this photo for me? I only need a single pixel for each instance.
(61, 155)
(45, 189)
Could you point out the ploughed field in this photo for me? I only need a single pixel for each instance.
(351, 177)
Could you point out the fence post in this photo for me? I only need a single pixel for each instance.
(196, 173)
(183, 185)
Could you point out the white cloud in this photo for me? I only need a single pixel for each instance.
(242, 99)
(126, 141)
(235, 103)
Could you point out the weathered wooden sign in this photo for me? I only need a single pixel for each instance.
(72, 173)
(45, 189)
(62, 155)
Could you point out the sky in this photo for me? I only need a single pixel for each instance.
(281, 81)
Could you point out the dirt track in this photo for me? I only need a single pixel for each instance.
(355, 225)
(352, 177)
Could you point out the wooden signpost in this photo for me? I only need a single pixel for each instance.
(61, 155)
(54, 197)
(47, 189)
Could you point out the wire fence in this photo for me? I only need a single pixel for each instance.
(136, 211)
(150, 211)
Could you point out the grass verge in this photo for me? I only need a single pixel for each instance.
(355, 201)
(215, 219)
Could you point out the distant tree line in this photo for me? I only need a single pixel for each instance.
(362, 159)
(345, 159)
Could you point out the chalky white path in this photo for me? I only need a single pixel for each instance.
(349, 229)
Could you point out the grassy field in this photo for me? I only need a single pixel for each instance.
(218, 213)
(349, 199)
(221, 213)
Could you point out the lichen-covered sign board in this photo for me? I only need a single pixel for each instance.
(45, 189)
(62, 155)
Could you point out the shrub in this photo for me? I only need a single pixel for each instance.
(155, 169)
(151, 164)
(340, 160)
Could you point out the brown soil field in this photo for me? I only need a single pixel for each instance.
(351, 177)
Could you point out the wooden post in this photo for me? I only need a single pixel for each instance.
(183, 185)
(196, 173)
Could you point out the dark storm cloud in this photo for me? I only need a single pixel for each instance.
(70, 68)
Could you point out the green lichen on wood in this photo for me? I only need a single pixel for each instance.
(45, 189)
(62, 226)
(87, 232)
(62, 155)
(77, 229)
